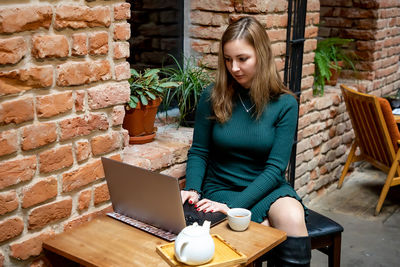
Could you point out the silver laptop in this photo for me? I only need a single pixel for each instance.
(150, 201)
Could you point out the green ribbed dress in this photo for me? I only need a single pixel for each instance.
(242, 162)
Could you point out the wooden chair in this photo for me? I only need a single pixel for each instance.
(376, 135)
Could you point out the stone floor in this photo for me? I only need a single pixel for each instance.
(367, 240)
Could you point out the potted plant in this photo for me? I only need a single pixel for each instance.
(191, 79)
(329, 59)
(147, 90)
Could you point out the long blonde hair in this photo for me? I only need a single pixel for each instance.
(266, 83)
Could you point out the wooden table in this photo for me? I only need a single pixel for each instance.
(107, 242)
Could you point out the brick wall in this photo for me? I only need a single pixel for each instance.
(375, 27)
(63, 74)
(325, 131)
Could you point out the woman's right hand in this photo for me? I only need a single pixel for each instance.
(191, 196)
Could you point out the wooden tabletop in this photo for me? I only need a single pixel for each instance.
(107, 242)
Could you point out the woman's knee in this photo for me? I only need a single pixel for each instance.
(287, 214)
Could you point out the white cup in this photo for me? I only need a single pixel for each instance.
(239, 219)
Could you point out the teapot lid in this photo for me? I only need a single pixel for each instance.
(196, 230)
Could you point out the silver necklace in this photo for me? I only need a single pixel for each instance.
(247, 109)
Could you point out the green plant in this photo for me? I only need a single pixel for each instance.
(147, 86)
(192, 79)
(328, 54)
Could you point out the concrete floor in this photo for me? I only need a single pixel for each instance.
(367, 240)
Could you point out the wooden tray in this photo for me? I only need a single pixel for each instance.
(225, 254)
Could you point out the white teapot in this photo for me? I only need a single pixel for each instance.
(194, 244)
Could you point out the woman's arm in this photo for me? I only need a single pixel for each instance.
(277, 161)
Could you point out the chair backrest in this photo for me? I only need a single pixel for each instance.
(370, 129)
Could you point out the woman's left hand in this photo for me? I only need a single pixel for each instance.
(207, 205)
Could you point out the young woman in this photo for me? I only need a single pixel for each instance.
(243, 135)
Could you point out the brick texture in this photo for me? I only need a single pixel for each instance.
(83, 125)
(122, 11)
(102, 144)
(211, 5)
(98, 43)
(101, 194)
(18, 19)
(17, 170)
(9, 142)
(80, 101)
(79, 44)
(84, 199)
(10, 228)
(50, 46)
(52, 105)
(37, 135)
(16, 111)
(55, 159)
(117, 116)
(122, 31)
(55, 56)
(12, 82)
(39, 192)
(43, 215)
(122, 71)
(82, 176)
(8, 202)
(86, 218)
(82, 150)
(12, 50)
(30, 247)
(78, 73)
(121, 50)
(77, 17)
(100, 97)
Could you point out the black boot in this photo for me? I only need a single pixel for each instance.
(294, 252)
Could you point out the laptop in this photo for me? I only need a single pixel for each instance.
(151, 201)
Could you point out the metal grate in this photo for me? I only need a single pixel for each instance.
(294, 62)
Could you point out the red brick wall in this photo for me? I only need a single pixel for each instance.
(63, 74)
(375, 27)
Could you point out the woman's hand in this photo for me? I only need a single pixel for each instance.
(191, 196)
(207, 205)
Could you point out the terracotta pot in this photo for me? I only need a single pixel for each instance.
(335, 75)
(140, 122)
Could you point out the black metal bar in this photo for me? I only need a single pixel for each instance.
(288, 33)
(294, 63)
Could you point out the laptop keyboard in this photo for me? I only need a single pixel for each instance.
(192, 215)
(190, 220)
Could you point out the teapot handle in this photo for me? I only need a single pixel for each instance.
(180, 247)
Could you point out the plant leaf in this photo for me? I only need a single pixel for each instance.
(152, 96)
(143, 99)
(134, 73)
(150, 72)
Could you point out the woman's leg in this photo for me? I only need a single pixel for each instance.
(287, 214)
